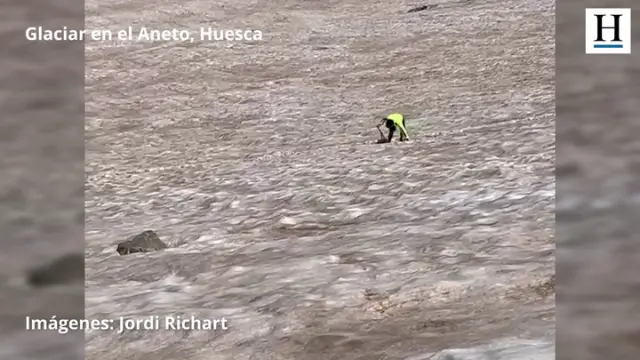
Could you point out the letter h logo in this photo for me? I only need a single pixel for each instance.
(608, 31)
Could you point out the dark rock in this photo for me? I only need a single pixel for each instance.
(422, 8)
(547, 287)
(64, 270)
(146, 241)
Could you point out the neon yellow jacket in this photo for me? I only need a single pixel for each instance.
(397, 120)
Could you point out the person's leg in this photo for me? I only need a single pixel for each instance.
(392, 127)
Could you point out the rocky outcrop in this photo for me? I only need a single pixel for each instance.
(547, 287)
(423, 8)
(146, 241)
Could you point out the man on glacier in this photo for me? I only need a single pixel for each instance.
(393, 122)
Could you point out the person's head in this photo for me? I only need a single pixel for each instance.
(390, 124)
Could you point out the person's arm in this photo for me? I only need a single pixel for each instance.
(382, 138)
(404, 136)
